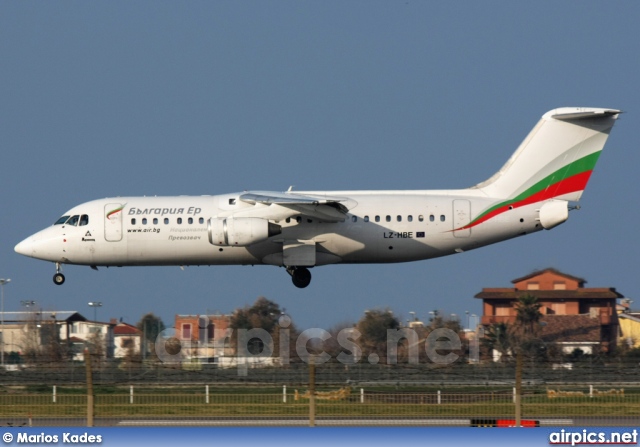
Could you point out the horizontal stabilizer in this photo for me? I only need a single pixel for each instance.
(578, 114)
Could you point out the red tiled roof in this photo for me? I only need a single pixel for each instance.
(571, 328)
(551, 270)
(126, 329)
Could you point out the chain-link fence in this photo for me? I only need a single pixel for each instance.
(290, 405)
(592, 392)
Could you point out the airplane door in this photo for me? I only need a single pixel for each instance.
(113, 222)
(461, 217)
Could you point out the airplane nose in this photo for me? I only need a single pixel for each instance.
(46, 245)
(24, 248)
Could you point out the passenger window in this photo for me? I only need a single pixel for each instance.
(144, 221)
(420, 218)
(73, 221)
(432, 218)
(190, 220)
(366, 218)
(201, 220)
(179, 220)
(84, 220)
(232, 201)
(388, 218)
(155, 221)
(377, 218)
(62, 220)
(410, 218)
(288, 220)
(441, 217)
(354, 218)
(166, 221)
(133, 221)
(399, 218)
(298, 219)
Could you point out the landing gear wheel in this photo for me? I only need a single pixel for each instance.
(58, 279)
(301, 277)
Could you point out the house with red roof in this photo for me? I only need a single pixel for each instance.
(574, 316)
(127, 339)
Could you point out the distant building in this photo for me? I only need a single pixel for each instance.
(629, 325)
(208, 336)
(127, 339)
(574, 316)
(83, 333)
(32, 331)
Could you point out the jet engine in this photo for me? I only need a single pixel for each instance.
(241, 231)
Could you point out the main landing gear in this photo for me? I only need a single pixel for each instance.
(58, 278)
(301, 276)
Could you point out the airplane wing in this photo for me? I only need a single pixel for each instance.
(327, 209)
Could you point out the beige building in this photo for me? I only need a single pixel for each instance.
(26, 333)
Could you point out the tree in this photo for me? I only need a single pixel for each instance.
(527, 316)
(52, 348)
(263, 314)
(151, 326)
(332, 345)
(526, 328)
(373, 327)
(496, 338)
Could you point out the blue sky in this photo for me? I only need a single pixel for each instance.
(119, 98)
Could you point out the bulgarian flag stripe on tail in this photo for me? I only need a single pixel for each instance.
(571, 178)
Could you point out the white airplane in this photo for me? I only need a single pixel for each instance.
(299, 230)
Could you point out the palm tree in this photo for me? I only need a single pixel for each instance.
(528, 316)
(496, 338)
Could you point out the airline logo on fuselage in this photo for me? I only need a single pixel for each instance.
(164, 211)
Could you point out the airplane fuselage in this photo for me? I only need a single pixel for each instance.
(303, 229)
(380, 227)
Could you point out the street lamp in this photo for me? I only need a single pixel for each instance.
(2, 283)
(95, 305)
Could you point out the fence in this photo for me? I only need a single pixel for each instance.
(337, 406)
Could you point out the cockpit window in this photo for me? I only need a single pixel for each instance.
(73, 220)
(84, 220)
(62, 220)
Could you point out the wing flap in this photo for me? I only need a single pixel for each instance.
(327, 209)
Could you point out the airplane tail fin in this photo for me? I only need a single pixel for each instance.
(555, 160)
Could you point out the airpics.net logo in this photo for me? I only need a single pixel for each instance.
(441, 346)
(589, 437)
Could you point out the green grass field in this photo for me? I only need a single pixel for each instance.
(113, 401)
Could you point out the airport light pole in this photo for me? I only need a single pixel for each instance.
(95, 305)
(2, 284)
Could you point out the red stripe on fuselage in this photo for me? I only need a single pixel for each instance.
(571, 184)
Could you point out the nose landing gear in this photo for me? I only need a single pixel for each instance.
(301, 276)
(58, 278)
